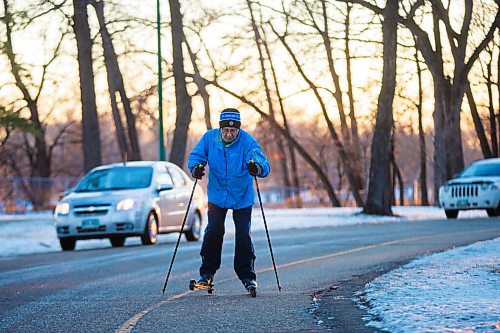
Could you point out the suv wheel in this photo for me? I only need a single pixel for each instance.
(492, 212)
(194, 233)
(117, 241)
(150, 235)
(67, 244)
(451, 214)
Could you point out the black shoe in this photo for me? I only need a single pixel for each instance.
(205, 280)
(249, 283)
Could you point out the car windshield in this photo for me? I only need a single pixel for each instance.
(478, 170)
(117, 178)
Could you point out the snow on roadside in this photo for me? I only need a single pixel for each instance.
(453, 291)
(35, 232)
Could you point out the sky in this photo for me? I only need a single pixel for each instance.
(60, 99)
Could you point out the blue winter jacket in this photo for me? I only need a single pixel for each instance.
(230, 185)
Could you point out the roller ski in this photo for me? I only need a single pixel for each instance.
(250, 286)
(204, 283)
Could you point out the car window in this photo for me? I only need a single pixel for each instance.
(179, 180)
(164, 178)
(478, 170)
(116, 178)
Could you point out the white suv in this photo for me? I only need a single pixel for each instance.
(476, 187)
(134, 199)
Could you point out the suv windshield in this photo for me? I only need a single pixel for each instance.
(117, 178)
(477, 170)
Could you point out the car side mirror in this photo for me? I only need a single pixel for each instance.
(69, 191)
(165, 187)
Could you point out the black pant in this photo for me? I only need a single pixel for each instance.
(211, 249)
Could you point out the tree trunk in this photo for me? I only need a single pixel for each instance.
(41, 161)
(182, 98)
(491, 108)
(497, 116)
(481, 135)
(350, 94)
(441, 101)
(379, 190)
(279, 145)
(421, 137)
(291, 151)
(339, 147)
(90, 124)
(200, 83)
(347, 139)
(115, 84)
(396, 173)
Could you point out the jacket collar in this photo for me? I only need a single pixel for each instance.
(220, 142)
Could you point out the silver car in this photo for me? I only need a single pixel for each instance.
(134, 199)
(476, 187)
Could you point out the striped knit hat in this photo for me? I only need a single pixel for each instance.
(230, 118)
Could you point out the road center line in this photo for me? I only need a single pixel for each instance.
(130, 324)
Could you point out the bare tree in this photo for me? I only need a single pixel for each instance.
(129, 148)
(200, 83)
(339, 147)
(41, 161)
(481, 135)
(379, 189)
(90, 123)
(421, 136)
(448, 90)
(300, 149)
(183, 105)
(493, 121)
(279, 144)
(291, 151)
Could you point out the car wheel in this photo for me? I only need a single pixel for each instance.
(117, 241)
(451, 214)
(150, 235)
(67, 244)
(492, 212)
(194, 233)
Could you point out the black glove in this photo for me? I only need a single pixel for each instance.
(254, 168)
(199, 171)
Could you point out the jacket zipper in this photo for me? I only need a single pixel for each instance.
(225, 160)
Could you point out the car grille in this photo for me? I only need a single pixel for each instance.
(458, 191)
(91, 210)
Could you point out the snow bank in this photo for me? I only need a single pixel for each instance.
(452, 291)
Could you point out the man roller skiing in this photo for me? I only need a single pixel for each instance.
(234, 157)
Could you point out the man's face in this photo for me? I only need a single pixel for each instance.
(229, 134)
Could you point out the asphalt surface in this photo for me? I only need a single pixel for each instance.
(119, 289)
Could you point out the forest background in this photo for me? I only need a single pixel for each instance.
(366, 103)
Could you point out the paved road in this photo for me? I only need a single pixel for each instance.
(119, 290)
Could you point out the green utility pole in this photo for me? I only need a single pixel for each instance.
(161, 144)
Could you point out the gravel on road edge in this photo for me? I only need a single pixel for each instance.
(334, 309)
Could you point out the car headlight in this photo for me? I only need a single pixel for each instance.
(446, 187)
(125, 204)
(62, 208)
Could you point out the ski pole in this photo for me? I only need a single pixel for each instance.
(267, 232)
(180, 235)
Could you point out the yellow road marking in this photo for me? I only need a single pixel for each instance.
(130, 324)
